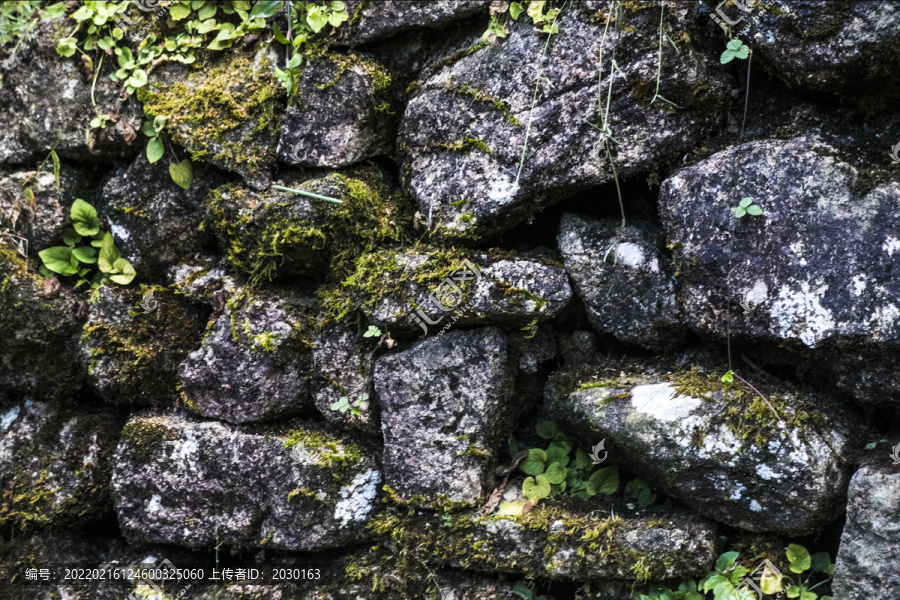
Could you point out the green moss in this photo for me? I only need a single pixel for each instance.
(465, 145)
(145, 435)
(331, 450)
(480, 96)
(209, 112)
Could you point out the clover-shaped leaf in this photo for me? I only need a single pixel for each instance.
(735, 49)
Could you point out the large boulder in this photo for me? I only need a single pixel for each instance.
(827, 46)
(42, 220)
(777, 463)
(134, 340)
(54, 465)
(432, 289)
(446, 404)
(340, 113)
(623, 279)
(196, 484)
(39, 116)
(866, 565)
(276, 233)
(227, 113)
(375, 21)
(254, 359)
(464, 131)
(558, 543)
(813, 273)
(40, 329)
(155, 222)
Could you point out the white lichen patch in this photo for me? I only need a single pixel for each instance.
(757, 294)
(502, 190)
(7, 418)
(357, 498)
(884, 321)
(765, 472)
(630, 254)
(659, 400)
(755, 506)
(859, 284)
(891, 245)
(799, 314)
(155, 504)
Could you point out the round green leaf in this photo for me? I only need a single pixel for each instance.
(85, 254)
(556, 473)
(179, 12)
(745, 202)
(754, 210)
(66, 47)
(109, 254)
(125, 272)
(182, 173)
(799, 558)
(70, 236)
(726, 561)
(604, 481)
(84, 218)
(535, 488)
(155, 150)
(138, 78)
(535, 463)
(58, 259)
(557, 455)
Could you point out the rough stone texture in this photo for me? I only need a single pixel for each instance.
(42, 222)
(827, 46)
(446, 403)
(464, 128)
(39, 353)
(45, 103)
(816, 268)
(561, 544)
(253, 362)
(385, 18)
(577, 348)
(54, 465)
(532, 354)
(343, 365)
(343, 118)
(178, 481)
(227, 114)
(866, 565)
(624, 281)
(154, 221)
(514, 289)
(135, 339)
(277, 233)
(715, 447)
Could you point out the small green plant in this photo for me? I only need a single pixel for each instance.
(181, 172)
(746, 207)
(801, 562)
(687, 590)
(76, 260)
(725, 582)
(305, 21)
(544, 19)
(641, 491)
(734, 49)
(447, 520)
(552, 471)
(356, 407)
(372, 331)
(522, 590)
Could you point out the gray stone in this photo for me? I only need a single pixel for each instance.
(39, 354)
(827, 46)
(446, 404)
(866, 565)
(624, 281)
(532, 354)
(46, 103)
(814, 271)
(195, 484)
(155, 222)
(253, 362)
(343, 116)
(715, 447)
(464, 129)
(557, 543)
(375, 21)
(133, 343)
(54, 465)
(41, 222)
(577, 348)
(342, 366)
(398, 287)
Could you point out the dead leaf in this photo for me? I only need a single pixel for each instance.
(390, 343)
(51, 287)
(499, 7)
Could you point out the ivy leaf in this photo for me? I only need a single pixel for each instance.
(182, 173)
(547, 430)
(535, 463)
(535, 488)
(317, 18)
(556, 473)
(155, 150)
(109, 254)
(604, 481)
(734, 49)
(58, 259)
(84, 218)
(266, 8)
(799, 558)
(85, 254)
